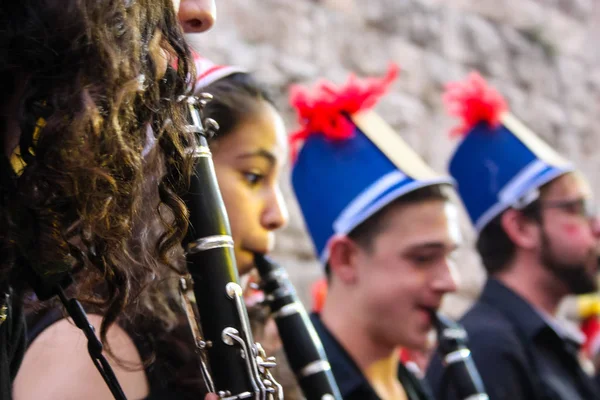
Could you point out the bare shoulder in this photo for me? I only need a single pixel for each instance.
(57, 365)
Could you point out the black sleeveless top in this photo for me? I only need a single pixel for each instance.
(12, 340)
(174, 374)
(162, 374)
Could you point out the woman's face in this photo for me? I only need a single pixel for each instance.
(248, 162)
(195, 16)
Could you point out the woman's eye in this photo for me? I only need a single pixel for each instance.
(253, 178)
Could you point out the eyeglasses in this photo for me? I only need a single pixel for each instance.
(582, 207)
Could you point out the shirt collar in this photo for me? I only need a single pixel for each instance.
(514, 307)
(531, 319)
(347, 374)
(562, 328)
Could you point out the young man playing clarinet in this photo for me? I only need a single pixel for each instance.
(385, 230)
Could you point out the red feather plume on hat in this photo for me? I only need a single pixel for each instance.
(473, 101)
(325, 110)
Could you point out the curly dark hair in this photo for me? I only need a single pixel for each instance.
(91, 69)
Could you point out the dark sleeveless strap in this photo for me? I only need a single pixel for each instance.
(77, 312)
(38, 322)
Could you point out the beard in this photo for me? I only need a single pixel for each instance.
(574, 275)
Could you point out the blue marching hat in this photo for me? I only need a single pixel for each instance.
(499, 163)
(351, 163)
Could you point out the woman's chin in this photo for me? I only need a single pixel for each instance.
(245, 262)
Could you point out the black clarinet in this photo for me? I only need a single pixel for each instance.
(233, 365)
(456, 357)
(301, 343)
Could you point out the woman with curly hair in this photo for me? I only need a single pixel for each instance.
(91, 124)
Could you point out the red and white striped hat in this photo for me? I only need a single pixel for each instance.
(208, 72)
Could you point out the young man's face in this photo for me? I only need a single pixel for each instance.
(407, 271)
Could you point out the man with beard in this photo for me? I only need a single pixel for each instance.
(538, 238)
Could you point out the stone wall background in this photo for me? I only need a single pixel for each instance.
(542, 55)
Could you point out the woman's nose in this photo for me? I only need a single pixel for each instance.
(197, 16)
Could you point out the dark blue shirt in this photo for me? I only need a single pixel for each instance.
(518, 354)
(352, 383)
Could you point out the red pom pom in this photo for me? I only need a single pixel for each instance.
(473, 101)
(325, 110)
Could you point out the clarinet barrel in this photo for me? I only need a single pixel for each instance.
(301, 343)
(456, 357)
(234, 366)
